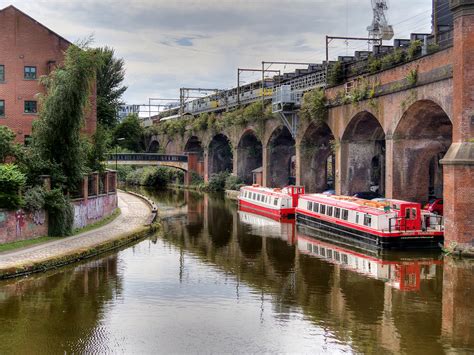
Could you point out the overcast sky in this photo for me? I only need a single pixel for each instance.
(168, 44)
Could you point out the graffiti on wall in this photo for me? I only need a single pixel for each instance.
(94, 209)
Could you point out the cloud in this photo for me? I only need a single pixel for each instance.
(194, 43)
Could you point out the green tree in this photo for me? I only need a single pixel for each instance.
(98, 149)
(8, 148)
(110, 76)
(132, 133)
(57, 133)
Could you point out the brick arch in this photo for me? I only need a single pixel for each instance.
(316, 162)
(153, 145)
(249, 155)
(363, 155)
(281, 157)
(220, 154)
(421, 138)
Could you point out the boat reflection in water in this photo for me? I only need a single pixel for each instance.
(403, 274)
(267, 227)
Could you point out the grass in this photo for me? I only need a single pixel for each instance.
(26, 243)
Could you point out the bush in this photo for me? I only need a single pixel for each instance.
(233, 183)
(217, 181)
(313, 107)
(60, 214)
(336, 74)
(196, 179)
(35, 199)
(11, 182)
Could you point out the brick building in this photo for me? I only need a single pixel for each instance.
(28, 50)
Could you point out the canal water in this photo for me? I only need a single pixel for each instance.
(222, 281)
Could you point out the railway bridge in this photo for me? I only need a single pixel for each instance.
(407, 131)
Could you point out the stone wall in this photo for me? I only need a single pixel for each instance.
(21, 225)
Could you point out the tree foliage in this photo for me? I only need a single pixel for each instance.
(313, 107)
(8, 148)
(57, 133)
(110, 76)
(11, 182)
(132, 133)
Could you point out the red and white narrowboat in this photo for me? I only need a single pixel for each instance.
(275, 203)
(387, 224)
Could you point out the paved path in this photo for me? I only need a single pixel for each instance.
(135, 213)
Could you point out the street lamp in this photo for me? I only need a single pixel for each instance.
(116, 151)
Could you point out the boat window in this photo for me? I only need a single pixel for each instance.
(357, 218)
(413, 213)
(275, 202)
(316, 207)
(310, 206)
(337, 256)
(345, 215)
(368, 220)
(323, 209)
(315, 249)
(407, 213)
(310, 247)
(337, 212)
(345, 259)
(254, 196)
(322, 251)
(329, 211)
(329, 254)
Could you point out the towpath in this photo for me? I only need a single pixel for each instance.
(134, 216)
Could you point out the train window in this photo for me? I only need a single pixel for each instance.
(368, 220)
(337, 256)
(337, 212)
(315, 249)
(309, 247)
(329, 254)
(329, 211)
(310, 206)
(345, 215)
(316, 207)
(322, 251)
(344, 258)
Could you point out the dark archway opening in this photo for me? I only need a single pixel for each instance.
(420, 141)
(195, 152)
(154, 146)
(363, 154)
(318, 159)
(249, 153)
(220, 155)
(281, 158)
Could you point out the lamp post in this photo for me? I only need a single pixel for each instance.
(116, 151)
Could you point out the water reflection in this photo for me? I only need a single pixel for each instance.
(221, 280)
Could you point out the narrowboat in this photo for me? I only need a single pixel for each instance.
(403, 273)
(385, 224)
(270, 202)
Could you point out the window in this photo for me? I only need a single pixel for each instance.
(329, 254)
(2, 73)
(323, 209)
(316, 207)
(310, 206)
(357, 218)
(275, 202)
(345, 215)
(367, 220)
(337, 212)
(30, 73)
(345, 259)
(2, 108)
(407, 213)
(30, 107)
(254, 196)
(329, 211)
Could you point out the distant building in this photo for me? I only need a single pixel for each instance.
(442, 18)
(28, 50)
(125, 110)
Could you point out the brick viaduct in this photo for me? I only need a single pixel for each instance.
(411, 139)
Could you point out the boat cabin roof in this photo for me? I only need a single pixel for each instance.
(348, 202)
(267, 191)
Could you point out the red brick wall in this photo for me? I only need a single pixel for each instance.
(25, 42)
(22, 225)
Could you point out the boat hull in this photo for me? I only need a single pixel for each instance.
(320, 228)
(276, 214)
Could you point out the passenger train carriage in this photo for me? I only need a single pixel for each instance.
(274, 203)
(388, 224)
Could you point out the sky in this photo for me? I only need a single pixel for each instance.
(168, 44)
